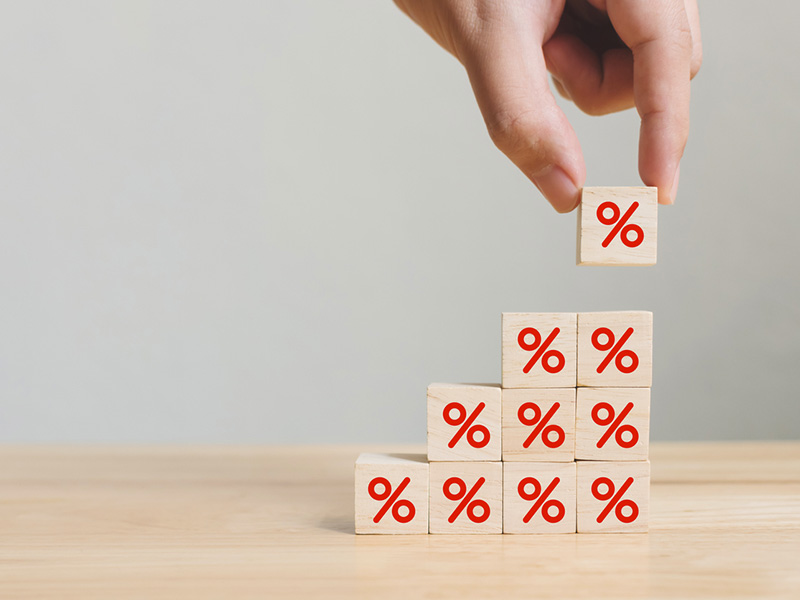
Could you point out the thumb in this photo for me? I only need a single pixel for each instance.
(509, 78)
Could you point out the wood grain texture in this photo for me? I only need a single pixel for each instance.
(592, 233)
(595, 441)
(488, 476)
(536, 329)
(537, 479)
(536, 405)
(628, 497)
(442, 397)
(406, 473)
(725, 462)
(640, 342)
(92, 523)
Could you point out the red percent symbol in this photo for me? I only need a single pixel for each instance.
(392, 501)
(615, 500)
(619, 224)
(615, 351)
(466, 423)
(615, 427)
(542, 501)
(466, 498)
(542, 426)
(541, 350)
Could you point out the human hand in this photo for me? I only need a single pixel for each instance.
(604, 55)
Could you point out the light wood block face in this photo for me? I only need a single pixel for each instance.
(617, 226)
(539, 497)
(464, 422)
(466, 497)
(539, 350)
(391, 493)
(539, 424)
(613, 497)
(612, 424)
(615, 349)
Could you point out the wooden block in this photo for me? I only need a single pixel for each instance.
(612, 424)
(539, 350)
(613, 497)
(615, 349)
(539, 497)
(464, 422)
(466, 497)
(539, 424)
(617, 226)
(391, 493)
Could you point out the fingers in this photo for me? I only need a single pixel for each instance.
(659, 35)
(597, 84)
(509, 78)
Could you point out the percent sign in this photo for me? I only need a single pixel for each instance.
(542, 501)
(615, 426)
(619, 224)
(614, 347)
(615, 500)
(541, 350)
(392, 501)
(542, 426)
(466, 500)
(466, 422)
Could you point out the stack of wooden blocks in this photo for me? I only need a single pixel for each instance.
(561, 446)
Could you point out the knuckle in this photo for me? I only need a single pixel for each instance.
(682, 36)
(591, 105)
(682, 41)
(513, 132)
(600, 103)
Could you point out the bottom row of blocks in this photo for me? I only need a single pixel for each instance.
(402, 493)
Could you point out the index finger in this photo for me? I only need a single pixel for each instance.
(658, 34)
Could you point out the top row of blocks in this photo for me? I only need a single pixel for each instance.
(595, 349)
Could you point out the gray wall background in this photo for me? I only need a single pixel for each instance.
(279, 221)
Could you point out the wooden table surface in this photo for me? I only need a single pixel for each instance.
(277, 522)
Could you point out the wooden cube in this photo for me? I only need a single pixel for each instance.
(539, 424)
(464, 422)
(539, 350)
(615, 349)
(391, 493)
(539, 497)
(613, 497)
(612, 424)
(617, 226)
(466, 497)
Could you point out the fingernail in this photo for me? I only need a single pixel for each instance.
(557, 187)
(673, 192)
